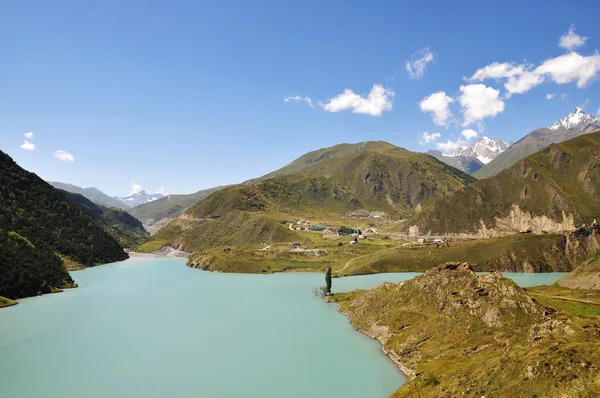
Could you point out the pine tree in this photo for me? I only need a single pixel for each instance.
(328, 281)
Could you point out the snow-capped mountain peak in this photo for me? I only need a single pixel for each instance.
(576, 118)
(139, 198)
(485, 149)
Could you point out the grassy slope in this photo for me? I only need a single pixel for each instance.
(292, 194)
(171, 206)
(236, 228)
(586, 276)
(386, 177)
(92, 194)
(4, 302)
(541, 253)
(561, 177)
(119, 224)
(460, 334)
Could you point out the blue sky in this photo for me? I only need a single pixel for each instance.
(190, 95)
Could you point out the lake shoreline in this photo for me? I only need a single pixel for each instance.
(406, 371)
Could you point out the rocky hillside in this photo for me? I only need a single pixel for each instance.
(122, 226)
(586, 243)
(586, 276)
(384, 176)
(550, 191)
(37, 222)
(571, 126)
(442, 326)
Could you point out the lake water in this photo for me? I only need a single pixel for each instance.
(151, 327)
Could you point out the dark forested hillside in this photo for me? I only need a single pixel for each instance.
(37, 212)
(119, 224)
(27, 270)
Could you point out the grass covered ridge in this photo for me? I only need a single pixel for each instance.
(456, 333)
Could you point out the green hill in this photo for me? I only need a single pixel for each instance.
(119, 224)
(455, 333)
(296, 194)
(553, 190)
(384, 176)
(37, 223)
(93, 194)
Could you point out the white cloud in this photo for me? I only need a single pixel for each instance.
(426, 138)
(479, 102)
(448, 146)
(564, 95)
(439, 105)
(28, 146)
(522, 83)
(571, 40)
(570, 67)
(469, 134)
(378, 100)
(420, 59)
(161, 191)
(497, 71)
(64, 156)
(550, 96)
(135, 188)
(29, 135)
(297, 98)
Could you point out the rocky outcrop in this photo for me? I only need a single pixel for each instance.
(456, 333)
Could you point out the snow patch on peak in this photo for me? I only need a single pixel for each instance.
(485, 149)
(576, 118)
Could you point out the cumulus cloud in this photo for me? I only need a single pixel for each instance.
(438, 104)
(448, 146)
(378, 100)
(469, 134)
(427, 138)
(135, 188)
(566, 68)
(28, 146)
(297, 98)
(522, 83)
(549, 96)
(416, 66)
(64, 156)
(29, 135)
(571, 67)
(479, 102)
(570, 40)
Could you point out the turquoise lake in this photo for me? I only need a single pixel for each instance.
(151, 327)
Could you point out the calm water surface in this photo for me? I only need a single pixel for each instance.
(155, 328)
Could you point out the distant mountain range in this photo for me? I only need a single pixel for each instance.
(571, 126)
(473, 157)
(553, 190)
(91, 193)
(139, 198)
